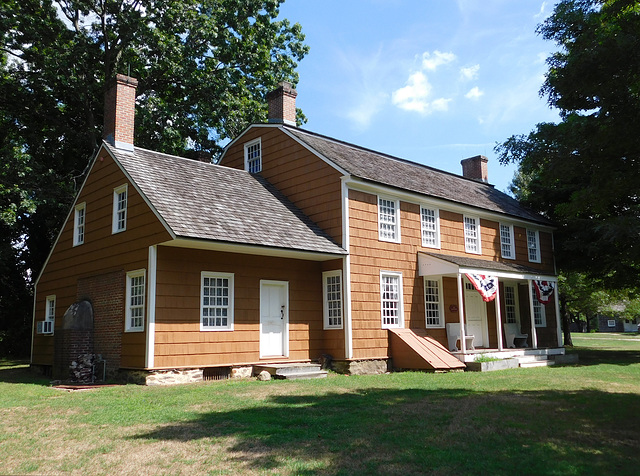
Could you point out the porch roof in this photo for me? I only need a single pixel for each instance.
(432, 264)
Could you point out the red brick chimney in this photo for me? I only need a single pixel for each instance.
(282, 104)
(119, 112)
(475, 168)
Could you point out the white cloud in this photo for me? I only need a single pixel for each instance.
(431, 62)
(470, 73)
(415, 96)
(474, 94)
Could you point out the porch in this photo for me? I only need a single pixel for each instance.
(520, 354)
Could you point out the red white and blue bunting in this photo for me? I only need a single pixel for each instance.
(486, 285)
(544, 290)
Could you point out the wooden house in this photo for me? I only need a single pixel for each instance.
(293, 247)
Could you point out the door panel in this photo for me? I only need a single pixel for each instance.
(274, 318)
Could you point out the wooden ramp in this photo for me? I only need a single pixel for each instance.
(414, 349)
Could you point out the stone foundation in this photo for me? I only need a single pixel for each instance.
(173, 377)
(361, 367)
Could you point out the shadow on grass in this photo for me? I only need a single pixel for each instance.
(595, 356)
(414, 431)
(18, 371)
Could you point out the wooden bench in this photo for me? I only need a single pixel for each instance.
(513, 336)
(453, 335)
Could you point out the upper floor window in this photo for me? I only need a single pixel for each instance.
(216, 302)
(472, 235)
(135, 301)
(388, 220)
(433, 303)
(391, 299)
(507, 242)
(253, 156)
(119, 209)
(79, 223)
(533, 244)
(332, 291)
(429, 221)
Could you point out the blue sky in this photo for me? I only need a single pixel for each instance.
(433, 81)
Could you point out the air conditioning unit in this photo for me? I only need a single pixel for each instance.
(44, 327)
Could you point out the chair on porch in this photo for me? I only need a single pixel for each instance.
(514, 336)
(454, 335)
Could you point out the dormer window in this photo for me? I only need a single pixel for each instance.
(253, 156)
(119, 209)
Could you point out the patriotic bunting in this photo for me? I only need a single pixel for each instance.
(487, 286)
(544, 290)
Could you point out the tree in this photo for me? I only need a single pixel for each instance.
(203, 66)
(584, 172)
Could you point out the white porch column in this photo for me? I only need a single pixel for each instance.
(556, 299)
(151, 306)
(463, 343)
(498, 316)
(534, 337)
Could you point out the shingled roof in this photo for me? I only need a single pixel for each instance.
(210, 202)
(406, 175)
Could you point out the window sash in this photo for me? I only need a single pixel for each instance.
(120, 209)
(510, 304)
(332, 290)
(429, 225)
(471, 235)
(216, 301)
(391, 300)
(79, 224)
(433, 303)
(135, 300)
(539, 314)
(506, 241)
(533, 245)
(253, 156)
(388, 229)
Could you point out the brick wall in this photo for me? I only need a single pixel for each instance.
(107, 294)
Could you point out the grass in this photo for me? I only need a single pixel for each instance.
(568, 420)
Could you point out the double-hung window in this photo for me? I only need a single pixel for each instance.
(533, 245)
(433, 303)
(79, 218)
(507, 244)
(46, 326)
(472, 235)
(511, 303)
(216, 301)
(332, 291)
(539, 315)
(135, 301)
(388, 220)
(429, 223)
(253, 156)
(391, 299)
(119, 209)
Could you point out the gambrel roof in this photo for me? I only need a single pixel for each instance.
(411, 176)
(202, 201)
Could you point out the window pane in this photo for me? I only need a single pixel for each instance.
(387, 219)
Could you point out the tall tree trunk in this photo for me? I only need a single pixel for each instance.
(566, 322)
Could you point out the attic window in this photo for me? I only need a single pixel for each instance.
(119, 209)
(253, 156)
(78, 224)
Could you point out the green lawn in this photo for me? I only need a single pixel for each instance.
(581, 419)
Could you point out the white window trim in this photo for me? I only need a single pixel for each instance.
(397, 217)
(611, 323)
(46, 326)
(516, 301)
(325, 275)
(543, 314)
(478, 234)
(537, 239)
(127, 323)
(246, 154)
(438, 280)
(114, 222)
(77, 238)
(436, 212)
(231, 306)
(400, 324)
(511, 238)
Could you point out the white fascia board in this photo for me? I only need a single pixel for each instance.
(245, 249)
(417, 198)
(508, 275)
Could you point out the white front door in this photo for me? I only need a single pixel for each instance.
(475, 315)
(274, 318)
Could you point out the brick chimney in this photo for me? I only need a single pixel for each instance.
(475, 168)
(282, 104)
(119, 112)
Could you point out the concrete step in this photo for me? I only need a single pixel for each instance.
(292, 371)
(536, 363)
